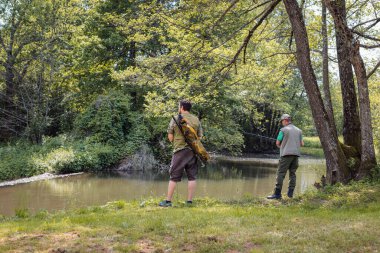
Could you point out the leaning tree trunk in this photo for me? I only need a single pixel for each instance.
(351, 122)
(325, 70)
(368, 158)
(335, 158)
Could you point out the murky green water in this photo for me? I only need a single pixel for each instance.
(218, 180)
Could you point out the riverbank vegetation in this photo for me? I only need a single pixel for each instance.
(336, 218)
(64, 154)
(84, 84)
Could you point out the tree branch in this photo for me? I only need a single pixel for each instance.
(291, 40)
(373, 70)
(225, 13)
(255, 7)
(376, 20)
(365, 36)
(264, 15)
(26, 42)
(369, 47)
(275, 54)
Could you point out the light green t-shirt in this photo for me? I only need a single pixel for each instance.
(179, 142)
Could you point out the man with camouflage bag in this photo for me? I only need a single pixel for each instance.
(184, 155)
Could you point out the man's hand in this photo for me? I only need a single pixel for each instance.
(278, 144)
(171, 137)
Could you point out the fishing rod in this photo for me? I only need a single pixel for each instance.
(261, 136)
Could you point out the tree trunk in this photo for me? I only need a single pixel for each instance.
(326, 80)
(368, 158)
(351, 122)
(335, 158)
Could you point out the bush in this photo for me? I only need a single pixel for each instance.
(55, 161)
(57, 155)
(106, 120)
(225, 138)
(15, 161)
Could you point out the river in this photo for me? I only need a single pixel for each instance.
(225, 180)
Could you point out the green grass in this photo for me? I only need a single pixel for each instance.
(312, 147)
(312, 142)
(337, 219)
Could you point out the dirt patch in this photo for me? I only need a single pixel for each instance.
(55, 243)
(212, 239)
(188, 248)
(146, 246)
(248, 247)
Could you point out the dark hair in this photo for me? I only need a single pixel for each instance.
(186, 104)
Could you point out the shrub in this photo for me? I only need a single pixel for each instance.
(223, 138)
(106, 120)
(54, 161)
(15, 161)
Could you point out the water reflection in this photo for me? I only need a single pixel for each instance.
(218, 180)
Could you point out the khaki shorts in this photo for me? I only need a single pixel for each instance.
(184, 159)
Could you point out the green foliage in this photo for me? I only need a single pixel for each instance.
(54, 161)
(15, 161)
(118, 69)
(223, 137)
(107, 119)
(375, 173)
(58, 155)
(140, 133)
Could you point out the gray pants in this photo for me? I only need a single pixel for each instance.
(289, 162)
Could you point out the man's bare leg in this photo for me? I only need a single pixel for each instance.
(171, 189)
(191, 185)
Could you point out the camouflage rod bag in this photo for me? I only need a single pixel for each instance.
(192, 139)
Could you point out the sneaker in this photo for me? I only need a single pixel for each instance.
(189, 202)
(165, 203)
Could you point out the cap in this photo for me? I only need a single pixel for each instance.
(285, 116)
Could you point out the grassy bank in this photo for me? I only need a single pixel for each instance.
(337, 219)
(312, 147)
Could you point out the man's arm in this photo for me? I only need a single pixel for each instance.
(280, 137)
(171, 130)
(171, 137)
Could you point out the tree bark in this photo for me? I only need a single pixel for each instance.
(325, 70)
(368, 158)
(351, 122)
(335, 158)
